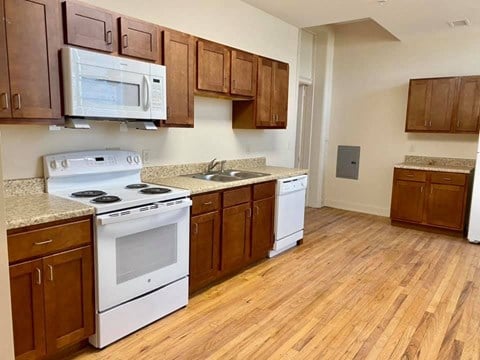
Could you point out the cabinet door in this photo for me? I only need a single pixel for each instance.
(204, 249)
(28, 310)
(5, 108)
(280, 95)
(440, 107)
(68, 290)
(235, 237)
(408, 201)
(445, 206)
(264, 93)
(32, 29)
(213, 72)
(138, 39)
(179, 59)
(89, 27)
(417, 105)
(262, 228)
(467, 115)
(244, 74)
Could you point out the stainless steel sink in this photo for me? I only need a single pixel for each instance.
(227, 175)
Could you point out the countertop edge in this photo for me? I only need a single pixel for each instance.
(450, 169)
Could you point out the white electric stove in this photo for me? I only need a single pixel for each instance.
(141, 237)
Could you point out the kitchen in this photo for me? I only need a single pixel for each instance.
(212, 135)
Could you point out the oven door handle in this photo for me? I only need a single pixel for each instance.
(138, 213)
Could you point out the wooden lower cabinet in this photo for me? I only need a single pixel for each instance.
(431, 199)
(236, 237)
(204, 249)
(52, 301)
(229, 231)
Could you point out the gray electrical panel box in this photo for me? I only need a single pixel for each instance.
(348, 162)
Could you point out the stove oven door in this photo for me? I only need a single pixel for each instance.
(140, 250)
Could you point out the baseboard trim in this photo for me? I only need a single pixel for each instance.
(362, 208)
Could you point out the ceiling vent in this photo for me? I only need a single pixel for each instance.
(459, 23)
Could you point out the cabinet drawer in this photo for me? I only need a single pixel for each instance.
(237, 196)
(49, 240)
(410, 175)
(205, 203)
(264, 190)
(449, 179)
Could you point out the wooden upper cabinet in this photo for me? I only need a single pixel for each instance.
(26, 287)
(467, 114)
(5, 108)
(280, 94)
(32, 33)
(138, 39)
(431, 104)
(264, 117)
(179, 59)
(90, 27)
(213, 67)
(244, 74)
(69, 299)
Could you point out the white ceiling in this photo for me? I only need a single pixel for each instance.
(403, 18)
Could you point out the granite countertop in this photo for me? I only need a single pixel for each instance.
(198, 186)
(36, 209)
(428, 163)
(443, 168)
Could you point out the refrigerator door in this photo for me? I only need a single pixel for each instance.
(474, 228)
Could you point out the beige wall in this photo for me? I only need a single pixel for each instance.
(6, 336)
(370, 86)
(232, 23)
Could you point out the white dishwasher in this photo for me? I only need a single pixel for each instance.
(289, 213)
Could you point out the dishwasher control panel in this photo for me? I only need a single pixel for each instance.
(292, 184)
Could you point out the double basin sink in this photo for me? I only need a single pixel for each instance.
(227, 175)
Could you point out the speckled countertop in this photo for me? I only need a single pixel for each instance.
(464, 166)
(36, 209)
(198, 186)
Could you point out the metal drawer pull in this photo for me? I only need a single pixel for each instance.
(50, 268)
(257, 209)
(249, 212)
(196, 229)
(410, 175)
(125, 41)
(18, 101)
(447, 179)
(39, 276)
(208, 203)
(5, 101)
(108, 37)
(421, 189)
(43, 242)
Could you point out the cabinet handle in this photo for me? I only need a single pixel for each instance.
(410, 175)
(458, 124)
(18, 101)
(108, 37)
(421, 189)
(430, 123)
(5, 101)
(125, 41)
(249, 213)
(50, 275)
(208, 203)
(43, 242)
(195, 231)
(257, 210)
(447, 179)
(233, 84)
(39, 276)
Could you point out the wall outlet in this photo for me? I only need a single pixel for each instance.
(146, 156)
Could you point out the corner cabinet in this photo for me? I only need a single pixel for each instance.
(29, 89)
(270, 107)
(51, 281)
(436, 200)
(230, 230)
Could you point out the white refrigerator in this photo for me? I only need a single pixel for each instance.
(474, 228)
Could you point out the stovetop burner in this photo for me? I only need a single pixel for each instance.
(89, 193)
(137, 186)
(155, 190)
(106, 199)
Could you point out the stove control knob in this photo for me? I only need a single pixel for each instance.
(129, 159)
(54, 164)
(137, 159)
(65, 163)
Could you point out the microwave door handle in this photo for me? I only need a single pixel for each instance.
(147, 103)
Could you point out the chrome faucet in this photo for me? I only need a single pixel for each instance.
(211, 165)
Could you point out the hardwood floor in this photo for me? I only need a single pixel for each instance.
(357, 288)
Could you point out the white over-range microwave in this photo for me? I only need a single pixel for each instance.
(103, 86)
